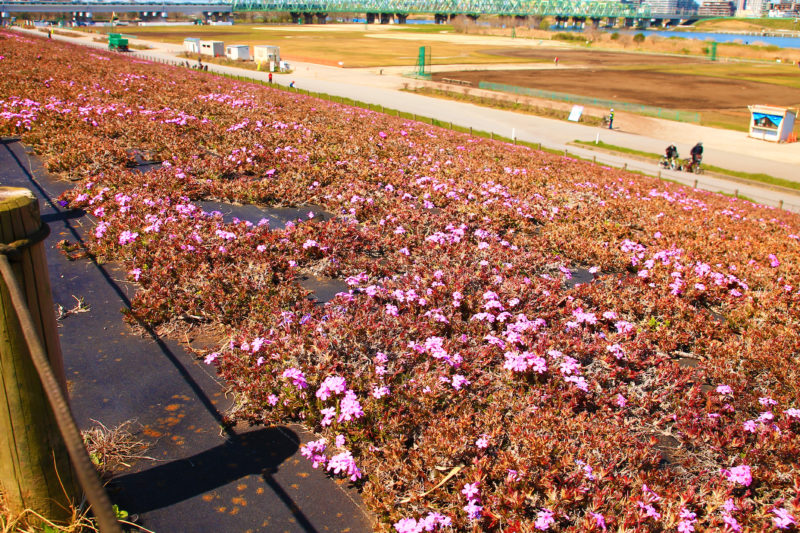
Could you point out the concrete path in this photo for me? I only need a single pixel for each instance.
(203, 477)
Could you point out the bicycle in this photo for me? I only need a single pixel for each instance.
(672, 163)
(690, 165)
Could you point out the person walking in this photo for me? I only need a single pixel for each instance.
(270, 78)
(291, 84)
(556, 61)
(611, 119)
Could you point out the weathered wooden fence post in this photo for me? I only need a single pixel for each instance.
(35, 471)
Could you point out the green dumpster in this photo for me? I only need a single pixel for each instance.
(117, 42)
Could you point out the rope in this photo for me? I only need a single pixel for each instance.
(14, 250)
(87, 475)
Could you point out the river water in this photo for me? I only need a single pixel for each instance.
(783, 42)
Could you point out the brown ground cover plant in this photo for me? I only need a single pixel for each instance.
(465, 380)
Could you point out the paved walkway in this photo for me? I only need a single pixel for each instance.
(723, 148)
(203, 478)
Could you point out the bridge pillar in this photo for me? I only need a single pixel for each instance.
(322, 18)
(386, 18)
(596, 22)
(520, 20)
(370, 18)
(473, 17)
(440, 18)
(629, 22)
(453, 16)
(611, 22)
(308, 18)
(580, 22)
(295, 17)
(401, 17)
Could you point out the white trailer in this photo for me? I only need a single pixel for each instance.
(238, 52)
(191, 45)
(212, 48)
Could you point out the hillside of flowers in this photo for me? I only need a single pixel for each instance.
(465, 381)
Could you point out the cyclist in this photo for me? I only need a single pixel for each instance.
(697, 155)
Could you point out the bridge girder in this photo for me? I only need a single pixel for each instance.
(584, 8)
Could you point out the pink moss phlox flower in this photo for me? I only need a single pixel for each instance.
(350, 407)
(688, 519)
(473, 510)
(314, 451)
(544, 519)
(621, 401)
(210, 358)
(650, 494)
(782, 519)
(272, 400)
(459, 381)
(328, 414)
(430, 523)
(482, 442)
(135, 273)
(649, 510)
(579, 382)
(471, 491)
(297, 377)
(792, 413)
(599, 520)
(380, 392)
(343, 463)
(739, 474)
(773, 261)
(624, 327)
(616, 350)
(127, 237)
(330, 386)
(724, 389)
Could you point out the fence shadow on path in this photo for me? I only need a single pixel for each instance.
(257, 452)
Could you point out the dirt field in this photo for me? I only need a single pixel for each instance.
(648, 87)
(588, 57)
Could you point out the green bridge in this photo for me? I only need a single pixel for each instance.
(560, 8)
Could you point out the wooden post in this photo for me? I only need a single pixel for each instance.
(34, 464)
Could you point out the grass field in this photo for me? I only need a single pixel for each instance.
(747, 24)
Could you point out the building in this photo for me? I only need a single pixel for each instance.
(785, 10)
(191, 45)
(717, 8)
(212, 48)
(267, 55)
(672, 7)
(770, 123)
(238, 52)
